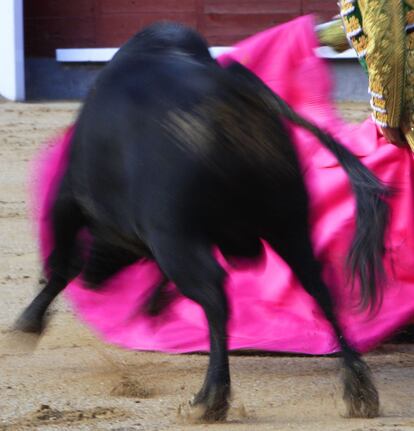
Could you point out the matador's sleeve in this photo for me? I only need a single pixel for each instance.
(383, 25)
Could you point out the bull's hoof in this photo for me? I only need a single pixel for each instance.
(30, 322)
(206, 408)
(202, 413)
(360, 394)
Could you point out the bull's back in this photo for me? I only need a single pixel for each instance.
(127, 150)
(161, 135)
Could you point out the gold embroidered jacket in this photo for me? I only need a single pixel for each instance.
(382, 34)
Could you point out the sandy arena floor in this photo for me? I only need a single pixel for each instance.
(72, 381)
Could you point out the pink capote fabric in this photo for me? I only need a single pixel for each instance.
(269, 308)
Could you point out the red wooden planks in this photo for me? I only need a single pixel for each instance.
(43, 36)
(225, 29)
(114, 30)
(146, 6)
(322, 8)
(51, 24)
(254, 7)
(59, 8)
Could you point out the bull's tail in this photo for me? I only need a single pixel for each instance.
(367, 250)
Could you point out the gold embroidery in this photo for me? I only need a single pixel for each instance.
(346, 7)
(389, 57)
(410, 41)
(410, 61)
(352, 26)
(381, 118)
(384, 24)
(378, 103)
(409, 92)
(360, 45)
(376, 86)
(408, 116)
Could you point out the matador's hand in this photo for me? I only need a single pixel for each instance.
(394, 135)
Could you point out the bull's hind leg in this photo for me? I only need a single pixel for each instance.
(159, 299)
(190, 264)
(63, 264)
(104, 261)
(293, 245)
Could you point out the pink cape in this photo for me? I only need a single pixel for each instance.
(269, 308)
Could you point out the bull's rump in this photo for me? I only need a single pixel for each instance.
(169, 137)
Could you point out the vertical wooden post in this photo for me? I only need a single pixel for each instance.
(12, 83)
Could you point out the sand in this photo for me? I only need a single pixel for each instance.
(69, 380)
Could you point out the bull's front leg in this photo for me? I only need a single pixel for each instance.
(199, 277)
(64, 263)
(63, 268)
(32, 319)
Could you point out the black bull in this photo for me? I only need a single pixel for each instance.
(172, 155)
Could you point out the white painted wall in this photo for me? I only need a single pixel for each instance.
(85, 55)
(11, 50)
(75, 55)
